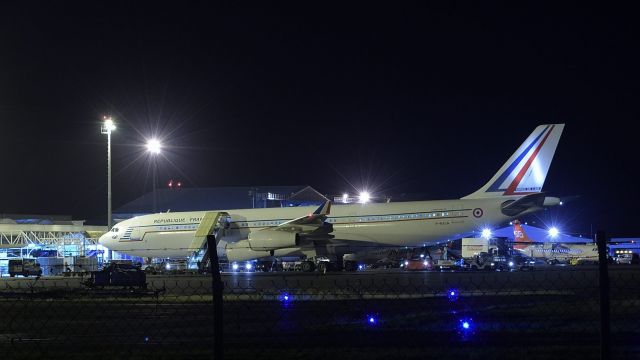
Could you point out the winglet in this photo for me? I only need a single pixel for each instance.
(324, 209)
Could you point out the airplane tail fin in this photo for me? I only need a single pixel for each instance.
(525, 171)
(520, 238)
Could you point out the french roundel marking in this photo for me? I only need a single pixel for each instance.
(477, 212)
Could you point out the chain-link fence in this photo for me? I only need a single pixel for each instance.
(549, 314)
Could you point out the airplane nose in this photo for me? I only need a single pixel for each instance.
(103, 240)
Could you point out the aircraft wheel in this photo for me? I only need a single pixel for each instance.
(349, 265)
(308, 266)
(474, 268)
(322, 268)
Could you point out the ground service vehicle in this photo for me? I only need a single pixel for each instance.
(482, 261)
(521, 262)
(24, 267)
(125, 275)
(474, 246)
(443, 264)
(418, 264)
(323, 264)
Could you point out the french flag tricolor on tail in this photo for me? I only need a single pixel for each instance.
(525, 171)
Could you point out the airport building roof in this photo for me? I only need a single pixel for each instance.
(37, 219)
(22, 230)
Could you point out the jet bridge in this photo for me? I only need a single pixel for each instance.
(213, 223)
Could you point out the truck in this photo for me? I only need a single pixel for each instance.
(118, 274)
(481, 261)
(474, 246)
(167, 266)
(24, 267)
(488, 262)
(322, 264)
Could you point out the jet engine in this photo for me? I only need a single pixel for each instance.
(267, 240)
(240, 251)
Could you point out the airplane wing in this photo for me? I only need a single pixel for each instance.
(294, 233)
(310, 226)
(315, 218)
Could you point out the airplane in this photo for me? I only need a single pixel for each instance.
(552, 252)
(515, 190)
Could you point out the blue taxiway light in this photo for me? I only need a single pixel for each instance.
(466, 325)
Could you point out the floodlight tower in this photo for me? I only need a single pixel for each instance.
(107, 127)
(364, 197)
(153, 147)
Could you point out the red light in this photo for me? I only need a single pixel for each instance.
(173, 183)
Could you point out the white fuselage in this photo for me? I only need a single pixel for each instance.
(514, 190)
(396, 224)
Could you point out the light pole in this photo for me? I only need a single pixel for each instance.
(153, 147)
(107, 127)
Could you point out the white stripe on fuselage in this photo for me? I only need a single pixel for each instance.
(396, 224)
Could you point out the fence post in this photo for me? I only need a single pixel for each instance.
(217, 286)
(605, 335)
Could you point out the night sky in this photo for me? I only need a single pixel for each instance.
(427, 100)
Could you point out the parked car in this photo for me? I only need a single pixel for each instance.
(523, 262)
(624, 258)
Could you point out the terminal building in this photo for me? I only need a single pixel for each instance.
(58, 242)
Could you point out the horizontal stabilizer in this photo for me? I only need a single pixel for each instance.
(529, 203)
